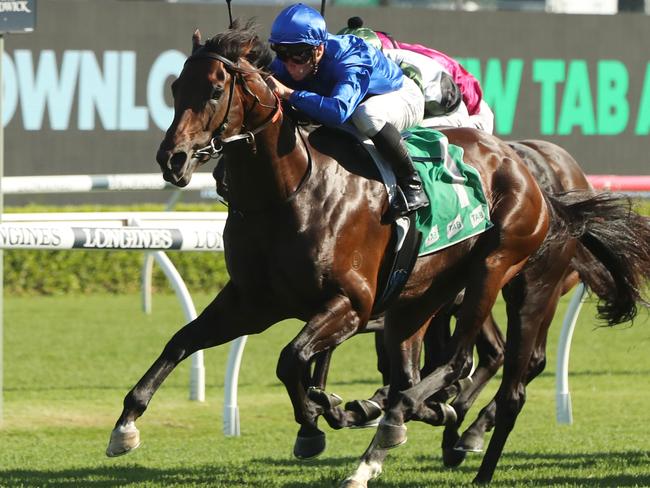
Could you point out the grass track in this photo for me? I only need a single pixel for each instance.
(70, 360)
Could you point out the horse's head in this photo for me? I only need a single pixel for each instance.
(208, 103)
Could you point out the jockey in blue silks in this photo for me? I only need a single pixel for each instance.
(333, 79)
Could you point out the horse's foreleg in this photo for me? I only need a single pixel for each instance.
(332, 326)
(225, 319)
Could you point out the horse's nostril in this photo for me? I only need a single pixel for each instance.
(178, 160)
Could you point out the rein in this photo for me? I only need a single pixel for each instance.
(217, 144)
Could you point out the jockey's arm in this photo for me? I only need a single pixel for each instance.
(336, 107)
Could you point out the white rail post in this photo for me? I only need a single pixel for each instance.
(564, 413)
(146, 281)
(230, 407)
(197, 369)
(147, 262)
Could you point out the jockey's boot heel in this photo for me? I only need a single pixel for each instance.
(390, 144)
(413, 193)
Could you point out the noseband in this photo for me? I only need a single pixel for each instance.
(217, 144)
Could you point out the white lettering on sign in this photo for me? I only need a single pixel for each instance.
(26, 236)
(208, 240)
(45, 87)
(120, 238)
(19, 6)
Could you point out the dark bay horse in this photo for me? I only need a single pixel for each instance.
(532, 299)
(305, 238)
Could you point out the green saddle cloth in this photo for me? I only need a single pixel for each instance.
(458, 208)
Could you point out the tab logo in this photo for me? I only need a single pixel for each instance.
(454, 227)
(477, 216)
(433, 236)
(19, 6)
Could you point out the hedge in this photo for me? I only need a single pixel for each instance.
(63, 272)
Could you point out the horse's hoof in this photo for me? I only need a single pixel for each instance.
(452, 458)
(369, 413)
(309, 447)
(469, 442)
(326, 400)
(389, 436)
(124, 439)
(350, 483)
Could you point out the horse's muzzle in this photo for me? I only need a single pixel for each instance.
(174, 166)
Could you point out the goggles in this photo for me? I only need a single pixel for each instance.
(298, 53)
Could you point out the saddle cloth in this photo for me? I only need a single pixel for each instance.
(458, 208)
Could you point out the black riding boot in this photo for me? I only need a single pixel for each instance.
(389, 143)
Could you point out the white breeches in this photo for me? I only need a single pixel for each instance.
(483, 120)
(403, 108)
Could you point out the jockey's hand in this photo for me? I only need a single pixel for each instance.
(280, 90)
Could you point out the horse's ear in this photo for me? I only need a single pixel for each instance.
(196, 40)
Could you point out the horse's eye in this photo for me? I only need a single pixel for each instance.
(217, 91)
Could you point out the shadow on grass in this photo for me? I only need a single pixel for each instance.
(523, 465)
(517, 469)
(265, 472)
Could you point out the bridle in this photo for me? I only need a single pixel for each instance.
(216, 145)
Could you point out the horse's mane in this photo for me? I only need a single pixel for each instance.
(233, 42)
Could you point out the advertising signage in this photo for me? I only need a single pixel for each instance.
(17, 16)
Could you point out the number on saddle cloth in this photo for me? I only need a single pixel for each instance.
(459, 208)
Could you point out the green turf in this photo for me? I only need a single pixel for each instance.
(70, 360)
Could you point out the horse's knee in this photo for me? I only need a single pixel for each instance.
(290, 361)
(284, 369)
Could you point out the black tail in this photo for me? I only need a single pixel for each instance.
(613, 257)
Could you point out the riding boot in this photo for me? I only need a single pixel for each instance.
(389, 143)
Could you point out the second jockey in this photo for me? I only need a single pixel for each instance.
(453, 97)
(333, 79)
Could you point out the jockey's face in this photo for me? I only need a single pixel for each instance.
(301, 70)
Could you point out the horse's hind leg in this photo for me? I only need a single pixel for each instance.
(530, 311)
(225, 319)
(490, 348)
(404, 372)
(472, 438)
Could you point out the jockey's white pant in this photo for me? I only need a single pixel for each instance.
(403, 108)
(483, 120)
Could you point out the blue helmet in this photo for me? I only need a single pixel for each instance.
(299, 24)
